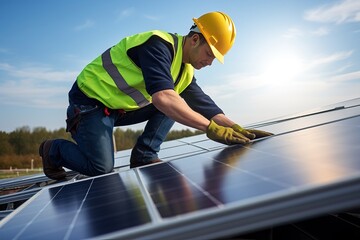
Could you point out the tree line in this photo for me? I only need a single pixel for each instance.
(20, 146)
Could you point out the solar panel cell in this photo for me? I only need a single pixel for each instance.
(172, 193)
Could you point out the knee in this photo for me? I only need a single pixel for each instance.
(100, 170)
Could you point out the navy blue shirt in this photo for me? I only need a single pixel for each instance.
(154, 57)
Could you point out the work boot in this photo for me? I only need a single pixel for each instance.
(134, 164)
(51, 171)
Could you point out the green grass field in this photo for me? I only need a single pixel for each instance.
(18, 173)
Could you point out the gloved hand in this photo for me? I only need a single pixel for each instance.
(259, 133)
(251, 133)
(243, 131)
(225, 135)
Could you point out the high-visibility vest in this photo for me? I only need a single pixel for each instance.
(113, 78)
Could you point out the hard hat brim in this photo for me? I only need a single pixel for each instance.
(216, 53)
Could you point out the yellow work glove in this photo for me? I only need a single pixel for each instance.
(243, 131)
(225, 135)
(251, 133)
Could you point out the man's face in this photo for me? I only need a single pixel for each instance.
(201, 54)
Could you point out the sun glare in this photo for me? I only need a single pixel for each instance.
(283, 67)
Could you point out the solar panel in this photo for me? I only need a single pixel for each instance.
(208, 190)
(81, 210)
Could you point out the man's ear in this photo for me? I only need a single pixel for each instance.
(196, 40)
(197, 43)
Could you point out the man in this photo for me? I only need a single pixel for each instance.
(145, 77)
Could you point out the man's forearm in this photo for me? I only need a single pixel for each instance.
(222, 120)
(173, 106)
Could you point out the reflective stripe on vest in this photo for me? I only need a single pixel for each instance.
(120, 82)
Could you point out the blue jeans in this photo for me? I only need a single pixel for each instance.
(93, 152)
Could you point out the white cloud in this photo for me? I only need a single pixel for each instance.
(38, 73)
(5, 67)
(335, 57)
(322, 31)
(342, 68)
(293, 33)
(86, 25)
(345, 77)
(34, 86)
(28, 95)
(340, 12)
(235, 84)
(153, 18)
(126, 12)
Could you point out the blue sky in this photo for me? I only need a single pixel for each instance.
(289, 56)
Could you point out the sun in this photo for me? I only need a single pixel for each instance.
(283, 67)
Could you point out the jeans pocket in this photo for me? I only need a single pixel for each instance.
(74, 115)
(73, 119)
(86, 109)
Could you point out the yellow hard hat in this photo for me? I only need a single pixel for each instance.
(219, 32)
